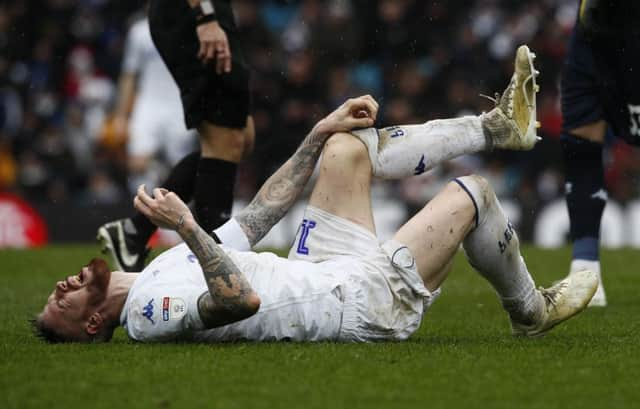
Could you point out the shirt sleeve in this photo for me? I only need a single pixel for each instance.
(164, 315)
(231, 234)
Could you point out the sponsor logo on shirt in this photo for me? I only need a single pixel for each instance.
(147, 311)
(192, 258)
(173, 308)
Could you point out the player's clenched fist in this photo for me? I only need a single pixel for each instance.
(165, 209)
(355, 113)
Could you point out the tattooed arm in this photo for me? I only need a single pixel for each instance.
(230, 297)
(281, 190)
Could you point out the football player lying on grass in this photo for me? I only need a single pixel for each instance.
(338, 283)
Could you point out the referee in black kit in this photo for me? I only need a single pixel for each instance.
(198, 41)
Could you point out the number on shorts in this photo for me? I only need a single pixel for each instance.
(306, 226)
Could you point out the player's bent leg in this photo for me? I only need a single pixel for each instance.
(344, 183)
(516, 107)
(586, 197)
(401, 151)
(493, 249)
(434, 234)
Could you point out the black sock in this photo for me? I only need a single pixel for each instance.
(213, 193)
(586, 194)
(181, 180)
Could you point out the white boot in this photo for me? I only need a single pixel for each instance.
(563, 300)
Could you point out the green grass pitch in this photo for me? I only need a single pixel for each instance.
(462, 356)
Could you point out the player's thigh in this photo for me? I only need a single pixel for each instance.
(434, 234)
(343, 186)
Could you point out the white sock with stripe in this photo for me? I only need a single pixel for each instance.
(400, 151)
(493, 249)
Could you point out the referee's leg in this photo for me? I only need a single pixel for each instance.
(223, 148)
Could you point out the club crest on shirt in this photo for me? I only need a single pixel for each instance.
(173, 308)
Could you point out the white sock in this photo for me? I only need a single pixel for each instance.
(493, 249)
(600, 297)
(400, 151)
(579, 265)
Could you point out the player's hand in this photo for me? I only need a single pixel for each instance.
(355, 113)
(165, 209)
(214, 45)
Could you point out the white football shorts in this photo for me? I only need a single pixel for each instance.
(384, 296)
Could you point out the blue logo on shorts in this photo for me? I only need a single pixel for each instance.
(147, 311)
(419, 170)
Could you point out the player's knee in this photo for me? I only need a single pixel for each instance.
(479, 189)
(345, 148)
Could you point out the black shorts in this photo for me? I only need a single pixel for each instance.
(600, 82)
(222, 100)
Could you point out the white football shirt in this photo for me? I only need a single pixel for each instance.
(300, 300)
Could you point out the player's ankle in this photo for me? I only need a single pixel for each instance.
(494, 128)
(526, 310)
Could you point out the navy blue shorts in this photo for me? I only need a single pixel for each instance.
(600, 81)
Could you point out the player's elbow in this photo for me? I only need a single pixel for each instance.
(248, 306)
(252, 304)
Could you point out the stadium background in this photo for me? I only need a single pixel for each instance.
(60, 59)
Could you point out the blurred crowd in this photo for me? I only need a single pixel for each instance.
(60, 60)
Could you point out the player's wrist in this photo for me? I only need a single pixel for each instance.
(185, 224)
(322, 128)
(204, 12)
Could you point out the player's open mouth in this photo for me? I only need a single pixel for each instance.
(85, 274)
(78, 279)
